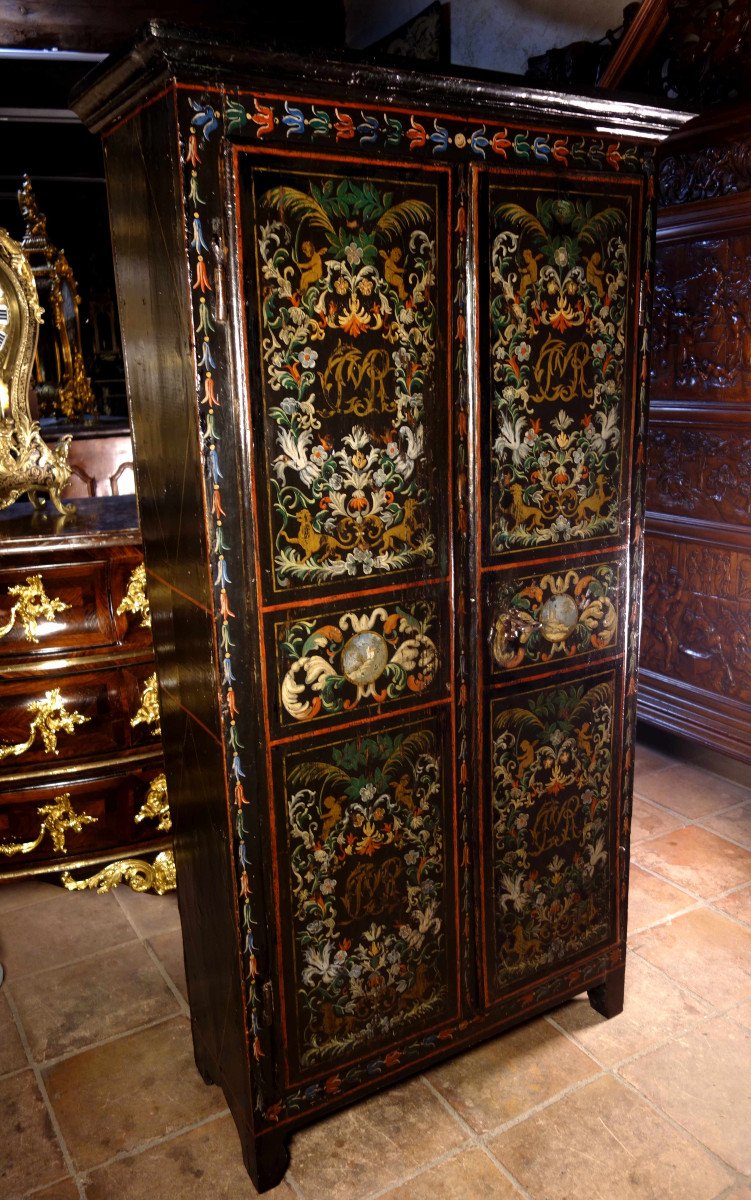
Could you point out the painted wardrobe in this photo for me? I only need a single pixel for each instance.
(386, 339)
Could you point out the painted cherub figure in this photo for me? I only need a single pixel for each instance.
(394, 274)
(311, 267)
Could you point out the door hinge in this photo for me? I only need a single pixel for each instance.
(642, 302)
(267, 1003)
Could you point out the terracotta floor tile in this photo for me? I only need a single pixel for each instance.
(149, 913)
(29, 1152)
(64, 1189)
(26, 891)
(75, 1006)
(735, 824)
(510, 1074)
(737, 905)
(604, 1143)
(704, 952)
(690, 791)
(204, 1164)
(12, 1053)
(52, 932)
(695, 859)
(651, 900)
(168, 948)
(654, 1010)
(742, 1013)
(472, 1174)
(648, 821)
(373, 1145)
(703, 1081)
(649, 759)
(142, 1086)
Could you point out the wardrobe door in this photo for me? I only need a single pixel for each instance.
(344, 268)
(558, 339)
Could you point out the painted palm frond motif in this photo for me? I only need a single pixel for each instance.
(406, 753)
(400, 218)
(559, 301)
(368, 904)
(347, 279)
(552, 784)
(299, 205)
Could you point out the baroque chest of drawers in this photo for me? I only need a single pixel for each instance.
(79, 736)
(387, 364)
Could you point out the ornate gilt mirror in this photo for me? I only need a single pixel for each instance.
(27, 465)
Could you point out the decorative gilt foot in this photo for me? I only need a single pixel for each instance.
(139, 874)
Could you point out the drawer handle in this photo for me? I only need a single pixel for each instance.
(135, 599)
(156, 804)
(58, 818)
(32, 605)
(49, 717)
(148, 713)
(139, 874)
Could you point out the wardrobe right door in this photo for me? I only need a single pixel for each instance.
(559, 389)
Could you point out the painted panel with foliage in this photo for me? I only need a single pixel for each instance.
(560, 377)
(371, 902)
(347, 272)
(552, 779)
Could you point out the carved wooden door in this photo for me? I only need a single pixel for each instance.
(345, 273)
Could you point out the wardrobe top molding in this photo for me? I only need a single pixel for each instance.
(164, 54)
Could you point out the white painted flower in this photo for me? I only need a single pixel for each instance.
(307, 358)
(523, 351)
(561, 256)
(354, 254)
(319, 454)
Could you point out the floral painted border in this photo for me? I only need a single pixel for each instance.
(201, 183)
(269, 117)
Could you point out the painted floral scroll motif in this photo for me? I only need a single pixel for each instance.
(552, 779)
(366, 845)
(558, 306)
(360, 659)
(347, 279)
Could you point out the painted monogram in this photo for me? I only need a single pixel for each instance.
(552, 765)
(559, 278)
(366, 852)
(380, 655)
(348, 328)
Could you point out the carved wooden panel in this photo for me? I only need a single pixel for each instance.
(696, 624)
(702, 319)
(700, 471)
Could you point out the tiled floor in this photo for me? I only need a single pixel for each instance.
(99, 1097)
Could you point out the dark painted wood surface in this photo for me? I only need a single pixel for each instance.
(389, 416)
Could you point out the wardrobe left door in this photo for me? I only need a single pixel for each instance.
(345, 268)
